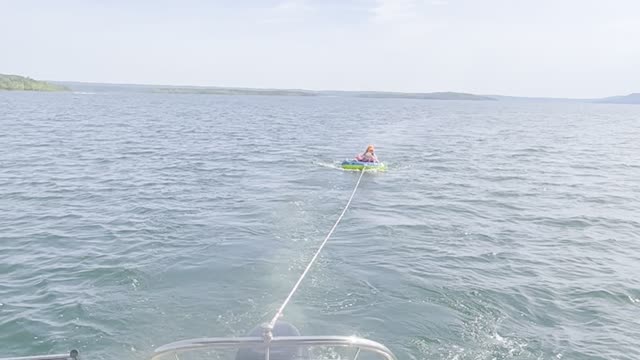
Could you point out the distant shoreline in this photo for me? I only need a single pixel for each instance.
(213, 90)
(16, 82)
(22, 83)
(238, 91)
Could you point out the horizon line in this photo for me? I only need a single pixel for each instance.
(328, 90)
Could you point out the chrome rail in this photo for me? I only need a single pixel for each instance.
(278, 341)
(72, 355)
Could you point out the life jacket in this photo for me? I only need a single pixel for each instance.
(366, 158)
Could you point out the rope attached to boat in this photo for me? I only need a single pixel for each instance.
(271, 324)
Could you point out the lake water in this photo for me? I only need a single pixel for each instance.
(501, 230)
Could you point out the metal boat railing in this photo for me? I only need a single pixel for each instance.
(258, 343)
(72, 355)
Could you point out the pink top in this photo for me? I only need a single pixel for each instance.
(367, 157)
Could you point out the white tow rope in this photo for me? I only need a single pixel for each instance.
(270, 326)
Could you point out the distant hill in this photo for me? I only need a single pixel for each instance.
(232, 91)
(16, 82)
(626, 99)
(212, 90)
(425, 96)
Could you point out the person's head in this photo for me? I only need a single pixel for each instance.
(370, 149)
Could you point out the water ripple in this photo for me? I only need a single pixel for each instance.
(500, 230)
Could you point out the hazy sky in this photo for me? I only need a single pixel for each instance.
(569, 48)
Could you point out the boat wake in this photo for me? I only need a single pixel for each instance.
(330, 165)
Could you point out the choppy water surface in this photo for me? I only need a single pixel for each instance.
(500, 231)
